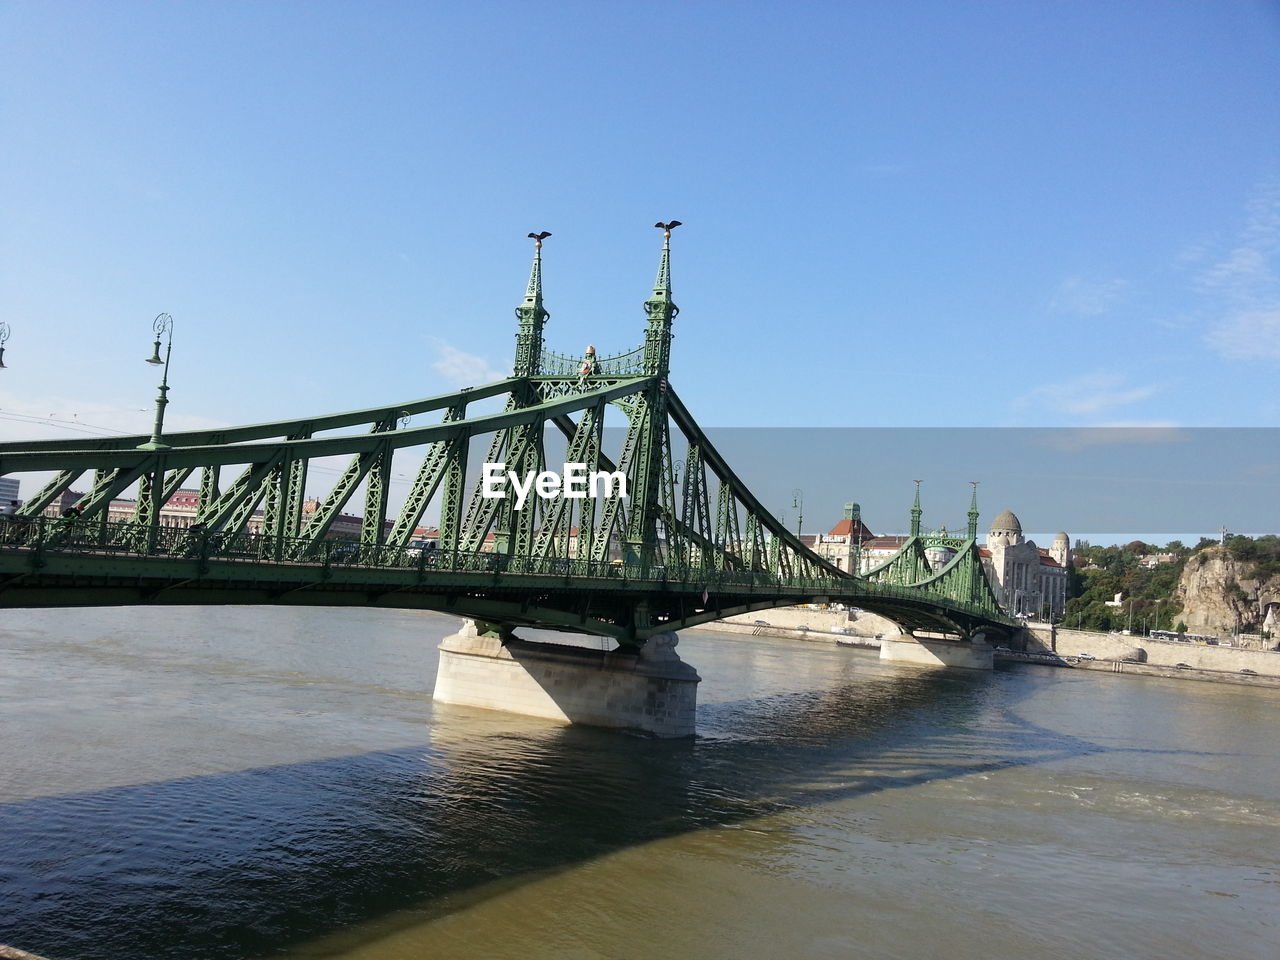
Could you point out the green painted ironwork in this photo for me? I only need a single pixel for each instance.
(689, 543)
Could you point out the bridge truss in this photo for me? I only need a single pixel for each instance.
(688, 544)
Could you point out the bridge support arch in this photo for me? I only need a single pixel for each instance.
(648, 691)
(974, 653)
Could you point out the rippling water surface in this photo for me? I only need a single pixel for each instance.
(257, 782)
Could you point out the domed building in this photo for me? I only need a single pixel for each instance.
(1029, 581)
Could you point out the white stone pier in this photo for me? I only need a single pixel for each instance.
(974, 654)
(652, 691)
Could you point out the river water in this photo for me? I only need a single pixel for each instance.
(267, 782)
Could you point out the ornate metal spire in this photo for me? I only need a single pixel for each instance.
(661, 309)
(973, 511)
(916, 513)
(532, 315)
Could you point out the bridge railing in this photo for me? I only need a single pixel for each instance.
(123, 538)
(629, 364)
(57, 536)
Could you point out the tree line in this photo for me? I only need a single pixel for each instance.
(1098, 573)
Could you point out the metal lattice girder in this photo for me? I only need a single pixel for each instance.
(236, 505)
(907, 566)
(684, 561)
(377, 487)
(209, 488)
(649, 422)
(481, 512)
(50, 492)
(120, 468)
(427, 482)
(522, 524)
(584, 447)
(239, 454)
(588, 436)
(362, 463)
(622, 601)
(695, 513)
(294, 493)
(230, 436)
(803, 560)
(963, 579)
(455, 480)
(108, 485)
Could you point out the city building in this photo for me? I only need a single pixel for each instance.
(182, 509)
(9, 490)
(845, 542)
(64, 502)
(1029, 580)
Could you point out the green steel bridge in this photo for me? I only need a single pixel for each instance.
(688, 544)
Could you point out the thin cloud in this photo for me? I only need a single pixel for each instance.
(1249, 335)
(1238, 275)
(1090, 395)
(1243, 287)
(461, 369)
(1084, 438)
(1086, 298)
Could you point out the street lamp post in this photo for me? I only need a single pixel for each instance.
(797, 501)
(1156, 617)
(163, 327)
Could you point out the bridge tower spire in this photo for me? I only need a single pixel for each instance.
(661, 310)
(648, 433)
(916, 513)
(973, 512)
(532, 316)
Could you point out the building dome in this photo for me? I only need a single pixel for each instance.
(1061, 537)
(1007, 520)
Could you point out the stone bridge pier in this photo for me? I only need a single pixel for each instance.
(972, 654)
(651, 691)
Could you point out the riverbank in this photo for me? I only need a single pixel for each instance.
(1046, 646)
(801, 634)
(1139, 669)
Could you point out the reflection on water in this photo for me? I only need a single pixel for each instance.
(829, 807)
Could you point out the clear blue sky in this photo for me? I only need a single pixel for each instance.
(897, 214)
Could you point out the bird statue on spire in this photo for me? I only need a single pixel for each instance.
(666, 228)
(537, 238)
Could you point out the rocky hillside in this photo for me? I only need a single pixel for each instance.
(1219, 589)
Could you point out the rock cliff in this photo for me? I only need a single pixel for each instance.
(1219, 593)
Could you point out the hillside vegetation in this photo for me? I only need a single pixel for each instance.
(1150, 597)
